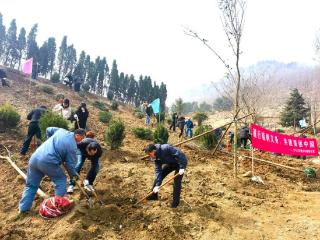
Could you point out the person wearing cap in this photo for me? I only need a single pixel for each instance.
(167, 159)
(89, 149)
(81, 116)
(59, 148)
(33, 129)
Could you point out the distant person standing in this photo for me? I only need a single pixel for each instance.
(231, 138)
(33, 129)
(148, 114)
(244, 136)
(181, 123)
(189, 127)
(81, 116)
(174, 118)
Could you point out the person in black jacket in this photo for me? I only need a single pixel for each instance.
(90, 149)
(174, 121)
(81, 116)
(167, 159)
(181, 123)
(33, 128)
(244, 136)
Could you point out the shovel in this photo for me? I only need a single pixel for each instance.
(89, 199)
(162, 185)
(94, 193)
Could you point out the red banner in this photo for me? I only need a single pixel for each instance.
(274, 142)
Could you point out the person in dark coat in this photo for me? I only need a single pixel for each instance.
(167, 159)
(33, 128)
(174, 118)
(81, 116)
(89, 149)
(149, 113)
(244, 136)
(181, 123)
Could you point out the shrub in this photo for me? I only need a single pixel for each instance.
(85, 87)
(55, 78)
(169, 121)
(82, 94)
(50, 119)
(139, 115)
(143, 133)
(160, 135)
(209, 140)
(99, 105)
(59, 96)
(9, 117)
(115, 134)
(114, 106)
(105, 117)
(46, 89)
(110, 95)
(200, 117)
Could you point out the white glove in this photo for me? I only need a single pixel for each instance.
(181, 171)
(155, 189)
(75, 116)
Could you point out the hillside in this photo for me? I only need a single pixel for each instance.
(214, 205)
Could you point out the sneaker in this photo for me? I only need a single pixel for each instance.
(70, 189)
(89, 188)
(85, 182)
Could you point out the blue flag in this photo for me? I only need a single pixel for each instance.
(156, 106)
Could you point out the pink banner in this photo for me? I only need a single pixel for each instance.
(27, 66)
(274, 142)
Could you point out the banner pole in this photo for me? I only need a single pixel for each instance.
(252, 162)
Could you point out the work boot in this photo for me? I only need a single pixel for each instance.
(173, 205)
(153, 197)
(70, 189)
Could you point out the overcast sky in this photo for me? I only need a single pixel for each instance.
(146, 37)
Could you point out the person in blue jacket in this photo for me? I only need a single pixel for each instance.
(59, 148)
(167, 159)
(189, 128)
(91, 149)
(33, 129)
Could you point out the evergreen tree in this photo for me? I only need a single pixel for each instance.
(178, 106)
(33, 49)
(80, 70)
(122, 87)
(101, 75)
(86, 68)
(44, 59)
(91, 80)
(11, 43)
(223, 104)
(21, 45)
(52, 49)
(2, 37)
(62, 54)
(125, 87)
(70, 60)
(163, 96)
(295, 109)
(205, 107)
(132, 90)
(114, 80)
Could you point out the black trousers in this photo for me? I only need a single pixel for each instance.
(32, 130)
(181, 132)
(166, 169)
(173, 125)
(243, 141)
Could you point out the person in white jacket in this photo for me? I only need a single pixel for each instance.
(64, 110)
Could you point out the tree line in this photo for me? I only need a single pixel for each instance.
(57, 63)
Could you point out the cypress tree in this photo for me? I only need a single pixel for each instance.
(2, 37)
(62, 54)
(21, 45)
(52, 49)
(295, 109)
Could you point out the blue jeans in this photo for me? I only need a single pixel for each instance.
(36, 171)
(94, 169)
(147, 120)
(187, 132)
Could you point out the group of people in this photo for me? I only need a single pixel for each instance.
(68, 150)
(244, 135)
(182, 122)
(63, 108)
